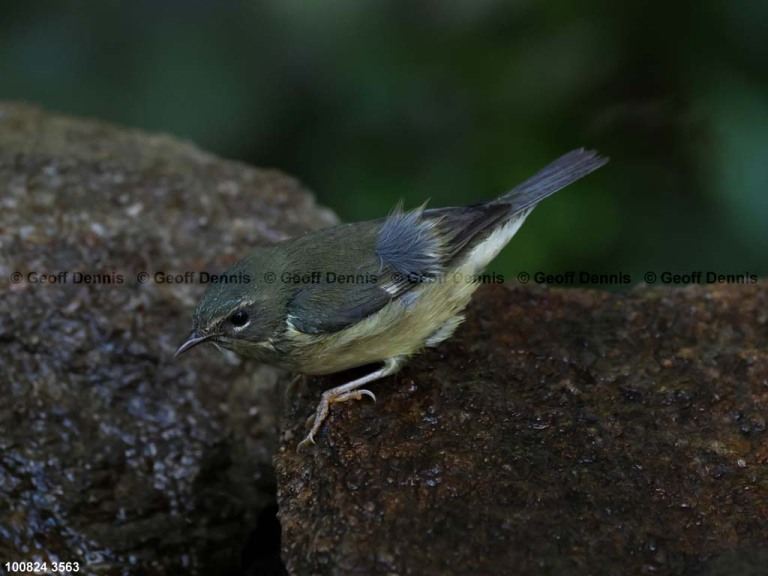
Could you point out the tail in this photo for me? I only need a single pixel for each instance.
(564, 171)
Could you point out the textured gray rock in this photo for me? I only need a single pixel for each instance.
(112, 454)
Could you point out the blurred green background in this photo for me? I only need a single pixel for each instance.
(448, 100)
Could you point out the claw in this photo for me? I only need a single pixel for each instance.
(353, 395)
(305, 443)
(343, 393)
(293, 384)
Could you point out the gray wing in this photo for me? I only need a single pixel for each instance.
(410, 248)
(349, 251)
(327, 308)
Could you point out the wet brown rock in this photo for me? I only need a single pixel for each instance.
(559, 432)
(112, 454)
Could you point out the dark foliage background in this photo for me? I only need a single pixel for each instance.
(452, 100)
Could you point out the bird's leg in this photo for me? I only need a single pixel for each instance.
(346, 392)
(290, 390)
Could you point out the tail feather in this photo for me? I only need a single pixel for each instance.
(564, 171)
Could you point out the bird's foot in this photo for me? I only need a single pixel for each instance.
(349, 391)
(321, 412)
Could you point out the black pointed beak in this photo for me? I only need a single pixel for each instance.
(193, 340)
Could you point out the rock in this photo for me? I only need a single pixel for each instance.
(558, 432)
(112, 454)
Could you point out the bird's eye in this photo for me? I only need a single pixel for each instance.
(239, 319)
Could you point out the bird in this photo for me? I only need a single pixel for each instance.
(368, 293)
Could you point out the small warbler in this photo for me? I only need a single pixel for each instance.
(368, 292)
